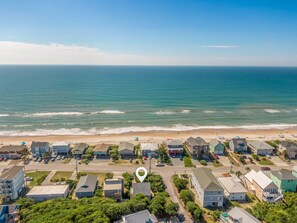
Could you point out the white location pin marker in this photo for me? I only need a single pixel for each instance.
(141, 178)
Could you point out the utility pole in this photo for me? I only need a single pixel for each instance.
(150, 163)
(76, 167)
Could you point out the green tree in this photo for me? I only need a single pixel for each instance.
(186, 196)
(171, 208)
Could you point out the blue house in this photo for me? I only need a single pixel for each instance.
(39, 148)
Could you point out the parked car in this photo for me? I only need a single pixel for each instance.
(145, 158)
(29, 178)
(131, 160)
(159, 164)
(36, 158)
(265, 168)
(216, 156)
(53, 159)
(39, 159)
(59, 157)
(181, 158)
(1, 159)
(63, 157)
(5, 159)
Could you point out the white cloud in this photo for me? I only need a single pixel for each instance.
(221, 46)
(30, 53)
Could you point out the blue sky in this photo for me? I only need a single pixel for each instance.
(240, 32)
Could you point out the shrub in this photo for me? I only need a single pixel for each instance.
(203, 162)
(179, 183)
(188, 162)
(186, 196)
(255, 157)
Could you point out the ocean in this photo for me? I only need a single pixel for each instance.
(87, 100)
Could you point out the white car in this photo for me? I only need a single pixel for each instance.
(58, 157)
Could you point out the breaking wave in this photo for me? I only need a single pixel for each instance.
(51, 114)
(97, 131)
(272, 111)
(209, 111)
(111, 112)
(4, 115)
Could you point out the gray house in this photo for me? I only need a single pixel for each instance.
(197, 147)
(86, 186)
(238, 145)
(261, 148)
(290, 148)
(40, 148)
(139, 217)
(79, 149)
(208, 188)
(127, 150)
(141, 188)
(101, 151)
(114, 188)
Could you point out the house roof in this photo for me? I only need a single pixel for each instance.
(239, 142)
(215, 142)
(242, 215)
(173, 142)
(206, 179)
(113, 184)
(9, 174)
(141, 188)
(260, 178)
(13, 148)
(81, 147)
(196, 141)
(50, 189)
(141, 216)
(149, 146)
(232, 184)
(39, 144)
(87, 183)
(258, 145)
(60, 144)
(101, 147)
(284, 174)
(126, 145)
(11, 208)
(289, 145)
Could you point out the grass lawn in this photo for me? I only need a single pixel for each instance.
(265, 161)
(61, 174)
(38, 177)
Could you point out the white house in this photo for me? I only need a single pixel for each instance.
(262, 186)
(149, 149)
(234, 190)
(208, 188)
(12, 182)
(61, 148)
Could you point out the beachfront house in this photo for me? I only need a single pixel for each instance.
(141, 188)
(12, 182)
(86, 186)
(238, 145)
(61, 148)
(13, 151)
(234, 190)
(197, 147)
(238, 215)
(149, 149)
(289, 148)
(127, 150)
(174, 147)
(260, 148)
(284, 180)
(208, 188)
(79, 150)
(216, 147)
(101, 151)
(114, 188)
(38, 149)
(139, 217)
(262, 186)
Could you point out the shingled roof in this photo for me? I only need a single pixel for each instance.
(206, 179)
(87, 183)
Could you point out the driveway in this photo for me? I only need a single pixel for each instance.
(278, 162)
(224, 161)
(177, 162)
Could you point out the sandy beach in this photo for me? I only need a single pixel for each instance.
(158, 136)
